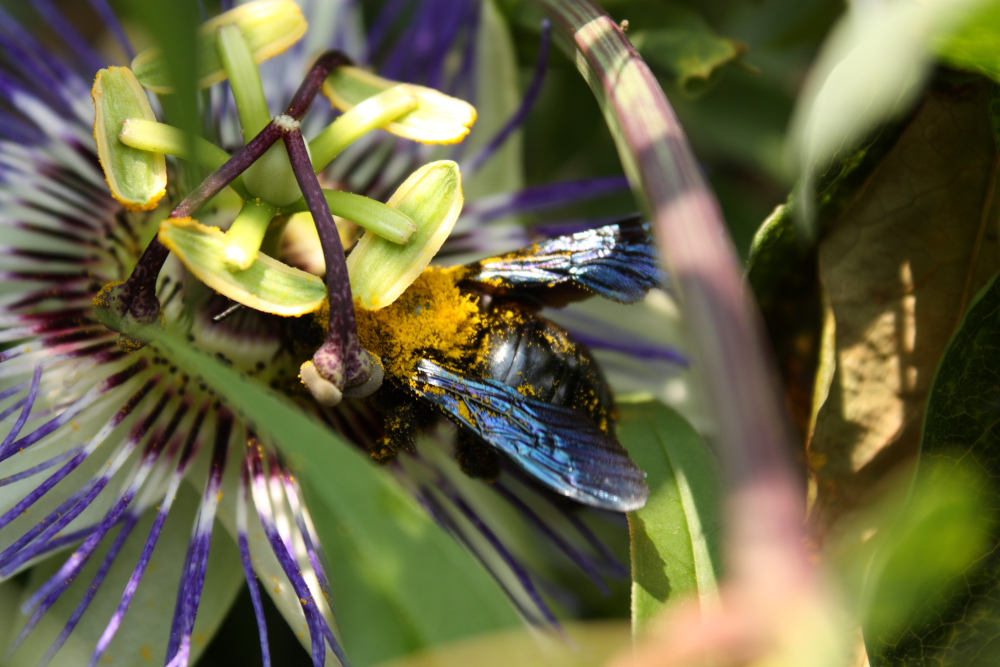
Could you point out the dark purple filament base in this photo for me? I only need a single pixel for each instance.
(341, 356)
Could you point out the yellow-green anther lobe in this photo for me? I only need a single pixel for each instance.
(269, 27)
(266, 285)
(380, 271)
(437, 119)
(137, 178)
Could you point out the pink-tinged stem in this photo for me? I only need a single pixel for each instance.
(766, 506)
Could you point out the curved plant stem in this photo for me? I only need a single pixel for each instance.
(765, 509)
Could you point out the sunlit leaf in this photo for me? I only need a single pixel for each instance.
(899, 265)
(687, 49)
(675, 537)
(955, 624)
(973, 44)
(389, 561)
(588, 645)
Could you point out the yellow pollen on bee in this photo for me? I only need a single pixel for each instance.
(432, 314)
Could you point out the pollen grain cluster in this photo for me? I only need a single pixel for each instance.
(432, 318)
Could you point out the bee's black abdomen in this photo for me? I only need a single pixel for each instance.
(542, 361)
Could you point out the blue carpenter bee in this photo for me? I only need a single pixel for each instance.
(467, 343)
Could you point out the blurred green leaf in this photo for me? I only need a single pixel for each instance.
(687, 50)
(961, 624)
(939, 535)
(872, 67)
(973, 45)
(173, 27)
(898, 264)
(589, 645)
(391, 565)
(675, 537)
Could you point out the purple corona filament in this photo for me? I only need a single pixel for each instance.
(248, 571)
(191, 447)
(527, 103)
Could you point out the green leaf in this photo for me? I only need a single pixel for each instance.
(588, 645)
(687, 50)
(675, 537)
(973, 44)
(145, 631)
(391, 565)
(173, 27)
(871, 68)
(267, 285)
(955, 624)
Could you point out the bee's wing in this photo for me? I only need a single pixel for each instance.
(618, 262)
(556, 445)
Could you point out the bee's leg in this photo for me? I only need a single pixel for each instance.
(476, 458)
(401, 427)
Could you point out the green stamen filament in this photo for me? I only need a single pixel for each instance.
(376, 217)
(244, 238)
(149, 135)
(244, 78)
(371, 114)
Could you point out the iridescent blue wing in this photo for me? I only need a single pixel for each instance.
(618, 262)
(558, 446)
